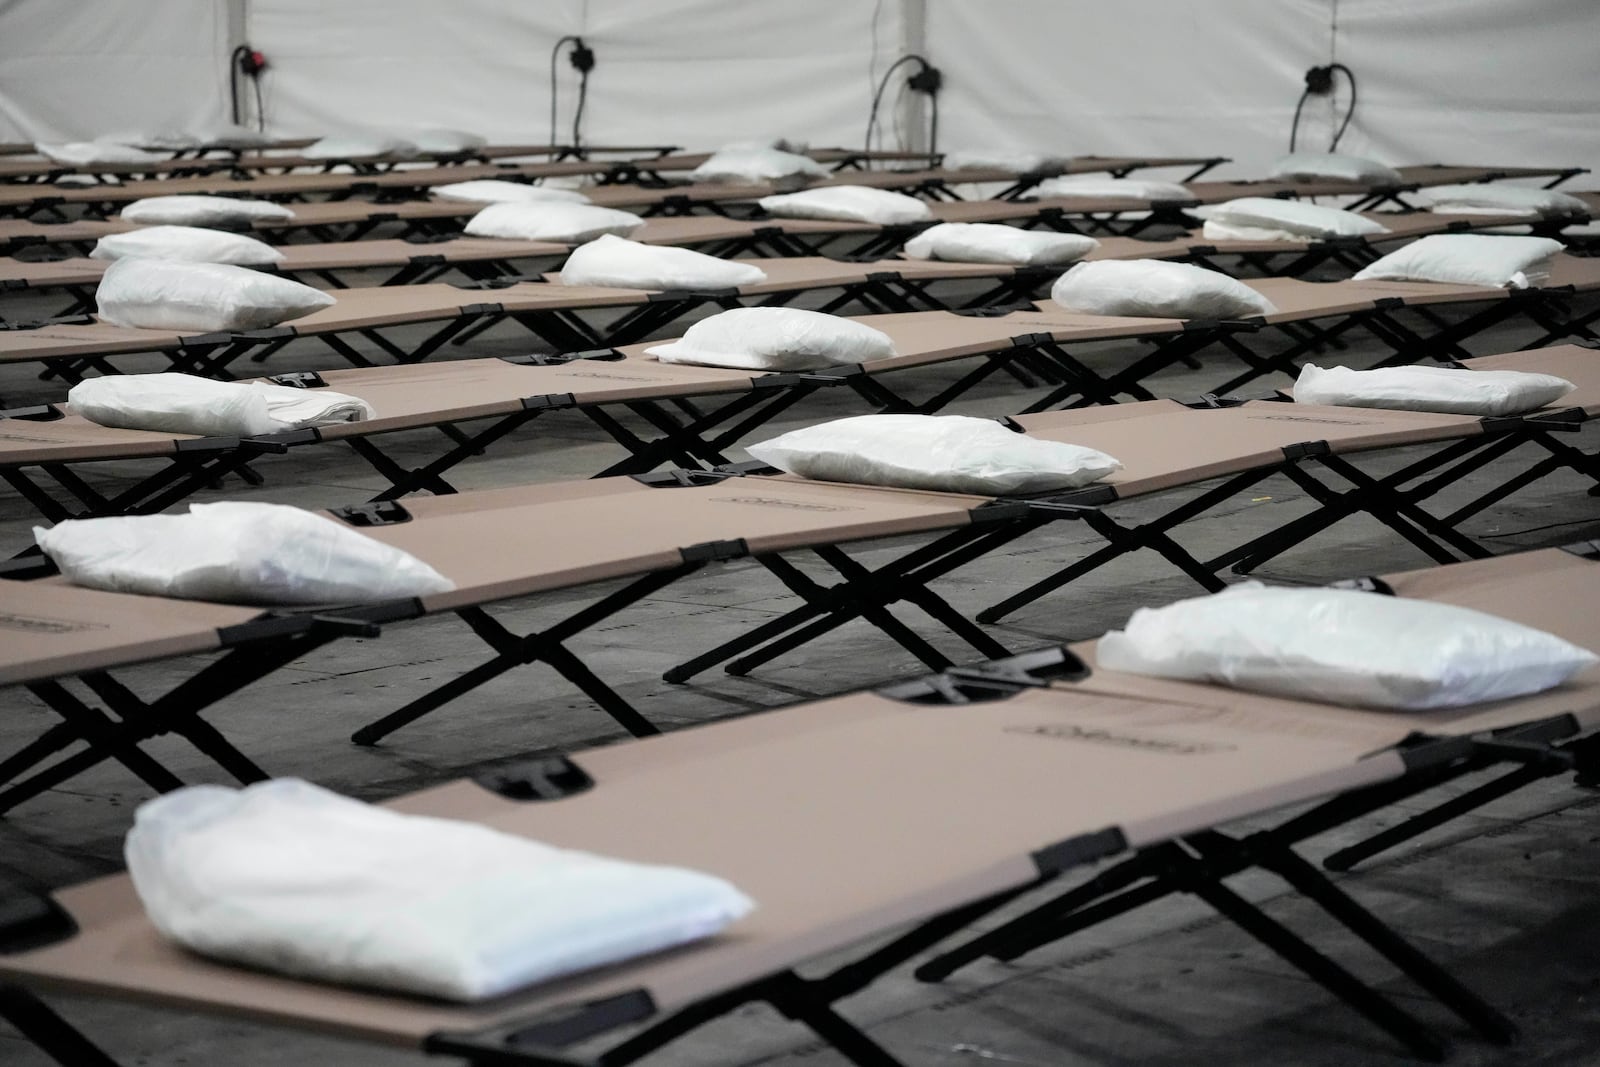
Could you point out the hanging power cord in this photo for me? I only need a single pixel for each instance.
(582, 59)
(928, 80)
(246, 62)
(1319, 82)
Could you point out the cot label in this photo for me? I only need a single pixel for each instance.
(795, 505)
(1099, 735)
(612, 377)
(1314, 418)
(39, 624)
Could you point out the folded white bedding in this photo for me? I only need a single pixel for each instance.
(290, 877)
(1341, 646)
(237, 552)
(184, 403)
(1452, 390)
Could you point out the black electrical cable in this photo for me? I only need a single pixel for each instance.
(555, 54)
(1294, 128)
(928, 71)
(877, 96)
(261, 111)
(235, 68)
(577, 116)
(1319, 80)
(1349, 112)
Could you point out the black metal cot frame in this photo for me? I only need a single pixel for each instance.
(1414, 332)
(212, 355)
(419, 269)
(1396, 194)
(689, 432)
(1534, 762)
(1197, 864)
(632, 1026)
(251, 651)
(1395, 500)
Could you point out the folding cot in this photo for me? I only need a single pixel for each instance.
(552, 312)
(1405, 315)
(715, 235)
(942, 800)
(562, 315)
(29, 200)
(1546, 588)
(652, 530)
(26, 201)
(1116, 166)
(478, 402)
(1227, 448)
(352, 219)
(635, 162)
(42, 445)
(940, 184)
(243, 164)
(408, 261)
(339, 221)
(1370, 196)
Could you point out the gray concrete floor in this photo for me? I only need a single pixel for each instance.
(1505, 897)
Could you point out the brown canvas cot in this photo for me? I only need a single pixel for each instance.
(563, 316)
(1000, 783)
(652, 530)
(1549, 589)
(422, 258)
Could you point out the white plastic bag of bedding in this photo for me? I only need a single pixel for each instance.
(439, 141)
(89, 153)
(160, 294)
(1149, 287)
(945, 453)
(1333, 166)
(498, 191)
(231, 135)
(781, 144)
(550, 220)
(189, 244)
(848, 203)
(289, 877)
(1102, 185)
(617, 261)
(1468, 259)
(237, 552)
(360, 146)
(185, 210)
(1344, 647)
(775, 339)
(186, 403)
(1456, 391)
(1493, 198)
(1271, 218)
(988, 242)
(169, 140)
(1016, 160)
(756, 164)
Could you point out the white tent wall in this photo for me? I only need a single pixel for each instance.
(478, 65)
(689, 72)
(1169, 77)
(1476, 81)
(1462, 81)
(1456, 80)
(72, 71)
